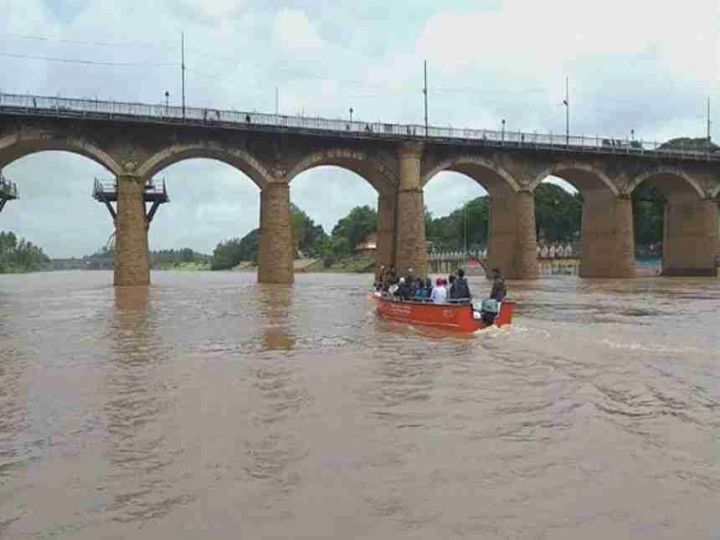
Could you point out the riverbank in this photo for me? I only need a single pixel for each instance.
(355, 264)
(191, 266)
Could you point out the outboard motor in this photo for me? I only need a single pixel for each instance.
(489, 310)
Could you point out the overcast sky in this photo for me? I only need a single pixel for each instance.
(642, 65)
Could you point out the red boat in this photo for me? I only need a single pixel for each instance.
(456, 317)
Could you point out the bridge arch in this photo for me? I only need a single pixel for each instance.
(665, 179)
(374, 171)
(582, 176)
(18, 145)
(489, 175)
(687, 215)
(364, 167)
(235, 157)
(499, 223)
(604, 222)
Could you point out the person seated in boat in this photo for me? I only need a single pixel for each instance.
(391, 276)
(389, 279)
(419, 292)
(426, 288)
(460, 290)
(451, 281)
(404, 290)
(499, 290)
(439, 292)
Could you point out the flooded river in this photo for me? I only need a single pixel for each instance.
(209, 407)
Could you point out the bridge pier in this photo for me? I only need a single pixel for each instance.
(411, 247)
(132, 265)
(385, 251)
(276, 241)
(608, 246)
(690, 236)
(512, 243)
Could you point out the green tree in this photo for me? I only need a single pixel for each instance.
(558, 213)
(449, 233)
(20, 255)
(353, 229)
(648, 209)
(308, 238)
(230, 253)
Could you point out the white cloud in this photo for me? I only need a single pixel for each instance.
(295, 32)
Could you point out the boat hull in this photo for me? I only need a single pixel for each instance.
(453, 317)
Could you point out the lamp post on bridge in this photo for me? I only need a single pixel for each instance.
(502, 131)
(167, 103)
(351, 113)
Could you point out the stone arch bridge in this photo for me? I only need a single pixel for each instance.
(134, 142)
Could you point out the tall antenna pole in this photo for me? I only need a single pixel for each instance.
(567, 111)
(708, 120)
(182, 67)
(425, 92)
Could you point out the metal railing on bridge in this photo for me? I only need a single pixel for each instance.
(160, 113)
(8, 189)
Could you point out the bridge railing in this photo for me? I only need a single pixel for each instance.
(70, 107)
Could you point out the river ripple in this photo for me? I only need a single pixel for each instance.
(209, 406)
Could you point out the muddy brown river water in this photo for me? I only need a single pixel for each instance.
(210, 407)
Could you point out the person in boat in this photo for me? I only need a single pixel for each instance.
(426, 288)
(439, 292)
(451, 280)
(392, 277)
(380, 278)
(419, 292)
(460, 290)
(499, 290)
(389, 279)
(404, 290)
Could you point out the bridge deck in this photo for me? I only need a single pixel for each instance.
(42, 106)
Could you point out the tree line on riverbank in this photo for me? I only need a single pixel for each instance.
(164, 259)
(19, 255)
(309, 239)
(558, 215)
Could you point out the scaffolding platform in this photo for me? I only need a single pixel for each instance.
(106, 192)
(8, 191)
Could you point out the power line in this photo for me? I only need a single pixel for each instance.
(384, 89)
(86, 62)
(88, 42)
